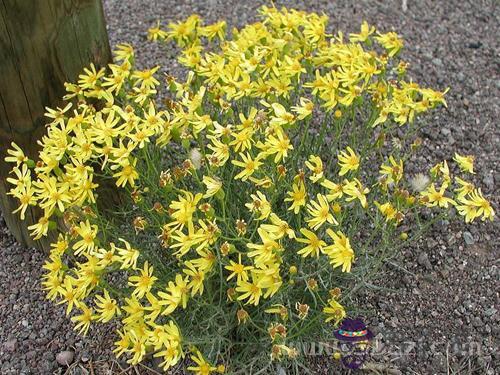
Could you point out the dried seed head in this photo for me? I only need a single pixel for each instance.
(419, 182)
(335, 293)
(302, 309)
(224, 248)
(165, 178)
(242, 316)
(241, 227)
(231, 293)
(158, 207)
(139, 224)
(312, 284)
(281, 170)
(195, 158)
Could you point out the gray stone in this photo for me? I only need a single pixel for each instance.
(477, 322)
(65, 358)
(10, 345)
(490, 312)
(437, 61)
(469, 240)
(439, 361)
(446, 132)
(488, 181)
(423, 260)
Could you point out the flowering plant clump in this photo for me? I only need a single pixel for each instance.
(257, 195)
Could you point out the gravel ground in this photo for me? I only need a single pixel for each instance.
(434, 310)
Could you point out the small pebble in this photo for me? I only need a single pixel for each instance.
(65, 358)
(11, 345)
(490, 312)
(423, 260)
(469, 240)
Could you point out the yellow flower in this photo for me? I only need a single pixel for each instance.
(277, 145)
(392, 172)
(264, 252)
(84, 319)
(123, 51)
(366, 31)
(465, 187)
(202, 366)
(314, 244)
(314, 30)
(315, 164)
(52, 283)
(340, 252)
(25, 195)
(16, 155)
(122, 345)
(69, 293)
(196, 278)
(259, 205)
(175, 294)
(206, 260)
(476, 205)
(432, 197)
(334, 311)
(215, 30)
(146, 78)
(155, 33)
(87, 234)
(305, 109)
(220, 152)
(238, 270)
(297, 196)
(467, 208)
(248, 164)
(251, 290)
(144, 282)
(171, 355)
(433, 96)
(52, 194)
(22, 179)
(242, 139)
(278, 228)
(134, 311)
(200, 123)
(335, 190)
(183, 209)
(391, 42)
(154, 307)
(292, 67)
(389, 211)
(354, 189)
(441, 170)
(281, 116)
(213, 186)
(466, 163)
(320, 212)
(106, 307)
(137, 347)
(127, 174)
(126, 256)
(39, 229)
(348, 161)
(91, 77)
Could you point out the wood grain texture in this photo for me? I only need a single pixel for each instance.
(42, 45)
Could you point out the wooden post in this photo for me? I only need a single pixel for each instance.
(42, 45)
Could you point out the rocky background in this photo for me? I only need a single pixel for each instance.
(435, 308)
